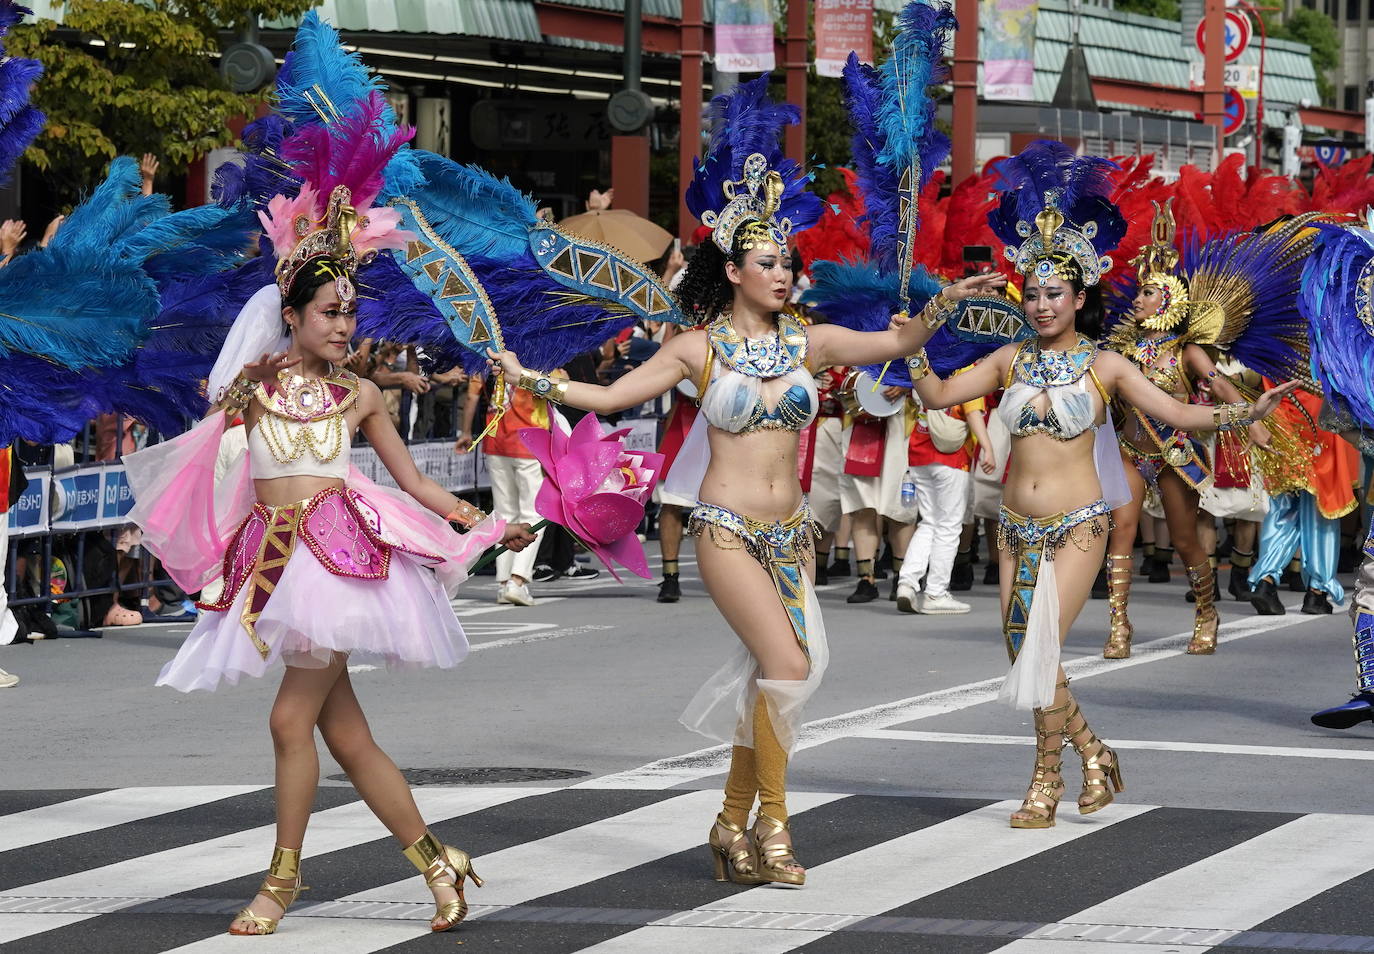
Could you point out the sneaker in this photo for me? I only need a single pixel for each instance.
(942, 605)
(517, 594)
(839, 569)
(822, 576)
(1316, 603)
(8, 680)
(992, 574)
(892, 590)
(1265, 599)
(544, 573)
(906, 598)
(865, 592)
(1239, 587)
(669, 591)
(581, 574)
(1293, 580)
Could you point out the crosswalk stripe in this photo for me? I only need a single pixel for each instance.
(919, 864)
(78, 816)
(1243, 886)
(14, 927)
(533, 869)
(176, 870)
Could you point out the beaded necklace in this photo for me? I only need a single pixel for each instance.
(306, 414)
(777, 353)
(1054, 369)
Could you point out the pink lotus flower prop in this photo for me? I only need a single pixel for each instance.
(595, 487)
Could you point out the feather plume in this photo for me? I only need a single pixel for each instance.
(475, 212)
(20, 121)
(350, 151)
(1340, 322)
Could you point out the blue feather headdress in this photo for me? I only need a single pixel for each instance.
(895, 141)
(745, 182)
(1055, 215)
(1337, 279)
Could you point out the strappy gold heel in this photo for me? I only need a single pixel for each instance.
(1096, 776)
(286, 866)
(1205, 619)
(1042, 801)
(1118, 595)
(736, 861)
(443, 867)
(774, 859)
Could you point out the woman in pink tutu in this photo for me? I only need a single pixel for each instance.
(320, 567)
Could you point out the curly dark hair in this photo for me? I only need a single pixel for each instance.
(704, 291)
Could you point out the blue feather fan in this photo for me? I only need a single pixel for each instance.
(1336, 304)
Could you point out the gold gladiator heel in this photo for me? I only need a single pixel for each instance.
(1042, 801)
(1096, 776)
(1205, 619)
(286, 866)
(1118, 595)
(443, 867)
(736, 860)
(774, 859)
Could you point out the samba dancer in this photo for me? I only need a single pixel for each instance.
(753, 525)
(1064, 472)
(320, 566)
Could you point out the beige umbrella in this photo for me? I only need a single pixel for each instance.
(637, 237)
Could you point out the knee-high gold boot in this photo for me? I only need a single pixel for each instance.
(776, 858)
(1205, 618)
(1118, 596)
(733, 856)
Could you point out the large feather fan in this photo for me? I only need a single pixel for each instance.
(20, 121)
(1335, 300)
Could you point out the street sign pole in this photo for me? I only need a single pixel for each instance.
(1213, 96)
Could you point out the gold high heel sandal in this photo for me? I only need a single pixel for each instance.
(1042, 801)
(286, 866)
(736, 861)
(1096, 776)
(1205, 619)
(443, 867)
(774, 859)
(1118, 595)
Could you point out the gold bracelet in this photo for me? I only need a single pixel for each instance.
(465, 514)
(1237, 416)
(937, 310)
(238, 395)
(541, 385)
(918, 365)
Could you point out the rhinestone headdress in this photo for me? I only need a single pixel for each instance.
(1155, 266)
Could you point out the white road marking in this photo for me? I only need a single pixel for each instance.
(682, 769)
(1217, 748)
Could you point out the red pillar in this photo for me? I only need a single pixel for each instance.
(1213, 94)
(630, 173)
(693, 41)
(795, 65)
(965, 80)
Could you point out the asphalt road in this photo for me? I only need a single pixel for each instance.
(134, 819)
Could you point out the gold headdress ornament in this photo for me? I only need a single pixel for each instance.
(329, 239)
(750, 212)
(1155, 267)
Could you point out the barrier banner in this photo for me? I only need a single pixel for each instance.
(842, 26)
(1008, 48)
(76, 499)
(744, 36)
(28, 514)
(643, 434)
(435, 459)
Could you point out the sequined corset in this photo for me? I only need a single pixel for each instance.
(302, 430)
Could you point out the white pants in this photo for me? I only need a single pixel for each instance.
(514, 483)
(940, 496)
(8, 627)
(824, 495)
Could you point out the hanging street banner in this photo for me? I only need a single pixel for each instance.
(744, 36)
(842, 26)
(1009, 48)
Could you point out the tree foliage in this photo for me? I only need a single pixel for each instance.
(134, 76)
(1318, 31)
(1164, 9)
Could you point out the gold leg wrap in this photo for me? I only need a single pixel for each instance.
(1205, 619)
(770, 759)
(443, 867)
(1118, 597)
(741, 785)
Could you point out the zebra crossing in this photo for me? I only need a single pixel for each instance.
(625, 870)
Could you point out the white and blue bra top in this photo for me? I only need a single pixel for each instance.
(1065, 378)
(758, 383)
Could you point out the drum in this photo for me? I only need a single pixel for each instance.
(862, 400)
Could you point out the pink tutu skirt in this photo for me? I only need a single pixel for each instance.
(305, 581)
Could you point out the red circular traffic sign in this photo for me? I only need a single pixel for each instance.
(1233, 111)
(1236, 36)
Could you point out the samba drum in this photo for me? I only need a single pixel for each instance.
(861, 400)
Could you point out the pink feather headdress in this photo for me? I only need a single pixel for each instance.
(340, 165)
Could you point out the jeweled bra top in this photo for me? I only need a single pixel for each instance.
(302, 430)
(1063, 377)
(1161, 360)
(737, 368)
